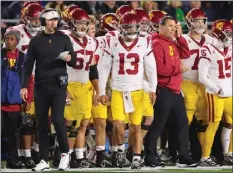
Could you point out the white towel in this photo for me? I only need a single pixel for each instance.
(128, 104)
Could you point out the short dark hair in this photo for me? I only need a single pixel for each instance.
(164, 19)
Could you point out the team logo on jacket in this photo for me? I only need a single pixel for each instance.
(171, 50)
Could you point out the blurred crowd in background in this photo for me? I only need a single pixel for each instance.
(177, 9)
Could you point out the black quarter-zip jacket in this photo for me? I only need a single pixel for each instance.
(44, 50)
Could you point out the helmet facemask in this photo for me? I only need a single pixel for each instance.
(227, 42)
(225, 37)
(154, 27)
(144, 28)
(113, 24)
(80, 27)
(130, 31)
(199, 25)
(33, 25)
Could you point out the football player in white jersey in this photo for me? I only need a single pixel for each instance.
(102, 114)
(126, 57)
(31, 26)
(197, 23)
(230, 150)
(108, 23)
(194, 91)
(216, 74)
(27, 30)
(148, 110)
(115, 33)
(82, 79)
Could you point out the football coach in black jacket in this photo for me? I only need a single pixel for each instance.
(52, 51)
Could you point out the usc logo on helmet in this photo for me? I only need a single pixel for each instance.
(219, 25)
(108, 19)
(151, 15)
(23, 11)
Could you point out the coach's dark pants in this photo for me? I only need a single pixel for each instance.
(10, 122)
(54, 96)
(168, 104)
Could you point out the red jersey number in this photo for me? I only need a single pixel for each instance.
(134, 63)
(80, 60)
(224, 67)
(197, 58)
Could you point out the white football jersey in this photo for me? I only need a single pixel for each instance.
(127, 63)
(112, 34)
(216, 69)
(146, 86)
(100, 45)
(192, 62)
(84, 57)
(25, 37)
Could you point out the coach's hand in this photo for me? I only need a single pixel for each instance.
(152, 97)
(178, 29)
(66, 58)
(104, 100)
(24, 94)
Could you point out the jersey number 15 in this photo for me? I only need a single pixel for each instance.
(224, 67)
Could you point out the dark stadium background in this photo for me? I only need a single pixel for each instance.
(10, 10)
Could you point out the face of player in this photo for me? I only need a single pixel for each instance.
(11, 42)
(168, 30)
(91, 31)
(51, 25)
(199, 26)
(33, 25)
(35, 22)
(130, 32)
(144, 26)
(81, 28)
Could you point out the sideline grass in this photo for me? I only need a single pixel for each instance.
(168, 169)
